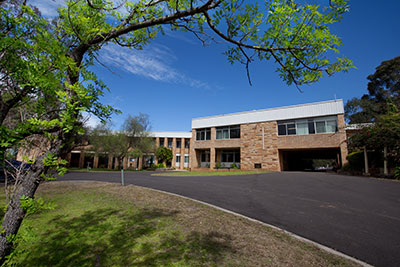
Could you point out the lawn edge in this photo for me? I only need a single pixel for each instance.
(318, 245)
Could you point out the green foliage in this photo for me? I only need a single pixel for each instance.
(383, 88)
(234, 166)
(164, 154)
(32, 206)
(385, 132)
(355, 161)
(53, 163)
(397, 173)
(218, 165)
(161, 166)
(133, 139)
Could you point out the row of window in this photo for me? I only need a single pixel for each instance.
(178, 143)
(290, 127)
(178, 158)
(226, 156)
(308, 126)
(227, 132)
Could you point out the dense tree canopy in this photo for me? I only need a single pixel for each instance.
(44, 66)
(380, 107)
(383, 87)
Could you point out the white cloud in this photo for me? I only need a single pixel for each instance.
(48, 8)
(90, 120)
(153, 63)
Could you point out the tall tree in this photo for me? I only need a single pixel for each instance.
(383, 86)
(133, 139)
(44, 66)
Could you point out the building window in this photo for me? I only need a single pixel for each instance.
(178, 143)
(308, 126)
(178, 158)
(170, 142)
(205, 156)
(230, 156)
(161, 141)
(186, 158)
(203, 134)
(228, 132)
(187, 143)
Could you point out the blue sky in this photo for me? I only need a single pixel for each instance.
(175, 78)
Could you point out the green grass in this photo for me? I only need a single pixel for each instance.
(208, 173)
(104, 224)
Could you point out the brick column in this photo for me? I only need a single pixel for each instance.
(212, 157)
(140, 163)
(157, 142)
(173, 148)
(125, 163)
(82, 159)
(182, 153)
(96, 161)
(110, 161)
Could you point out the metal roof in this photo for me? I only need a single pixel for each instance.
(171, 134)
(325, 108)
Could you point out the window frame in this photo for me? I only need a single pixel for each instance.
(225, 132)
(203, 134)
(311, 126)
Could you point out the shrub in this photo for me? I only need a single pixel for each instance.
(234, 166)
(218, 165)
(397, 173)
(356, 161)
(161, 165)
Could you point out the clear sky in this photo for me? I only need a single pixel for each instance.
(175, 78)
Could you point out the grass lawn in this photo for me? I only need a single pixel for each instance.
(104, 224)
(208, 173)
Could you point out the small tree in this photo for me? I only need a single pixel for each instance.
(164, 154)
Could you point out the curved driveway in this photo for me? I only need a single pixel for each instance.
(355, 215)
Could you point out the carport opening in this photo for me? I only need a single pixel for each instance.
(310, 159)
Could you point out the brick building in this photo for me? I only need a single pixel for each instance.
(178, 142)
(277, 139)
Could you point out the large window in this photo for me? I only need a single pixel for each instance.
(203, 134)
(178, 158)
(228, 132)
(308, 126)
(230, 156)
(178, 143)
(170, 142)
(187, 143)
(161, 141)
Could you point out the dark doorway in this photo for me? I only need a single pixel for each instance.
(310, 159)
(74, 163)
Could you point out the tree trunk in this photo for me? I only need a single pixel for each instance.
(15, 213)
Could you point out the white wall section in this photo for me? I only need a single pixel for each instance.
(325, 108)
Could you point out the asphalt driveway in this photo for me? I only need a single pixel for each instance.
(355, 215)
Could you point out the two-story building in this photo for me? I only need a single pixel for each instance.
(277, 139)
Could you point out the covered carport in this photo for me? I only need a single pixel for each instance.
(309, 159)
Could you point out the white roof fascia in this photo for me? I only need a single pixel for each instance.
(317, 109)
(171, 134)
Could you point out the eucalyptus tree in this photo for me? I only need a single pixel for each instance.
(44, 66)
(132, 140)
